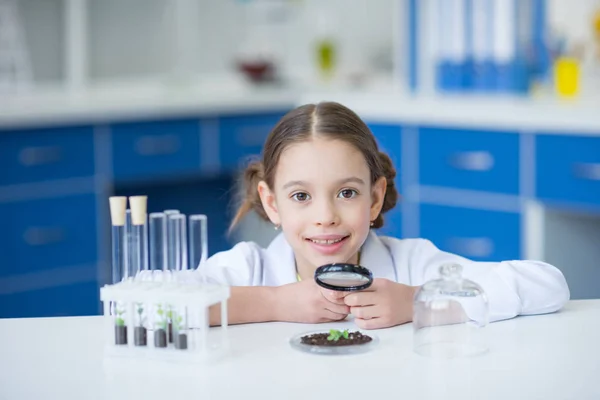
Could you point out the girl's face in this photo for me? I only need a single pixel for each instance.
(324, 201)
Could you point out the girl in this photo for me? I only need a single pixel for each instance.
(325, 184)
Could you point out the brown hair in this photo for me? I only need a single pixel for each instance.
(328, 119)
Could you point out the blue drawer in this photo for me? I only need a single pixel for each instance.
(476, 234)
(389, 139)
(46, 154)
(155, 149)
(392, 223)
(47, 233)
(244, 136)
(568, 168)
(60, 301)
(465, 159)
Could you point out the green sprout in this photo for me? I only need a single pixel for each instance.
(140, 311)
(335, 335)
(178, 322)
(162, 323)
(120, 321)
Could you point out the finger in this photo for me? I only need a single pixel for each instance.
(368, 312)
(334, 296)
(361, 299)
(336, 308)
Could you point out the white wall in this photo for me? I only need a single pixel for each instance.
(43, 29)
(132, 38)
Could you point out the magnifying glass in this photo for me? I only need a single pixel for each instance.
(343, 277)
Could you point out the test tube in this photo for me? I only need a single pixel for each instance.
(158, 241)
(118, 205)
(138, 235)
(177, 242)
(176, 228)
(158, 262)
(180, 329)
(129, 261)
(198, 240)
(171, 256)
(139, 243)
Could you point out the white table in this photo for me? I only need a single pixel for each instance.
(554, 356)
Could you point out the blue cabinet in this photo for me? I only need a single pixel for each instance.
(479, 235)
(568, 168)
(389, 140)
(242, 137)
(468, 159)
(155, 149)
(77, 299)
(48, 233)
(37, 155)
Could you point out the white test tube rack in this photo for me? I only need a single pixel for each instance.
(195, 297)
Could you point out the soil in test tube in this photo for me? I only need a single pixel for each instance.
(160, 338)
(139, 336)
(140, 332)
(181, 341)
(120, 334)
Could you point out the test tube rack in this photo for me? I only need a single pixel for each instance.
(158, 307)
(164, 317)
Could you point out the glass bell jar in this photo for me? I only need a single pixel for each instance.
(449, 316)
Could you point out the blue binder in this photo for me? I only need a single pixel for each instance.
(480, 40)
(451, 69)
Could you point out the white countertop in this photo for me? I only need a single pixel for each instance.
(215, 96)
(547, 357)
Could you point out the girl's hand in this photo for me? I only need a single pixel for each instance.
(305, 302)
(383, 304)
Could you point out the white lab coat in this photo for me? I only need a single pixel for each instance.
(512, 287)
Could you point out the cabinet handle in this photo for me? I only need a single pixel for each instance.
(157, 145)
(471, 247)
(35, 156)
(40, 236)
(587, 171)
(472, 161)
(252, 136)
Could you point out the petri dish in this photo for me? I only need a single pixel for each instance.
(343, 277)
(297, 344)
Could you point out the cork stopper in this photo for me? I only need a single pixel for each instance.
(138, 205)
(118, 205)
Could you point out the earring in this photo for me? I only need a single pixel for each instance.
(372, 223)
(276, 227)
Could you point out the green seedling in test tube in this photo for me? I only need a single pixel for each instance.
(160, 334)
(120, 328)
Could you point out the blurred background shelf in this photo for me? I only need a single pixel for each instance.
(128, 109)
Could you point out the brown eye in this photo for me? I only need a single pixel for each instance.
(348, 193)
(300, 196)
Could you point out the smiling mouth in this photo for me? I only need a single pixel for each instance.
(326, 241)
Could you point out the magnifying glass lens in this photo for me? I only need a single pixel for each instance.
(343, 277)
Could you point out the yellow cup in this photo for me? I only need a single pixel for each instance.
(566, 76)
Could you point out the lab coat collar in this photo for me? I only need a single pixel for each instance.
(375, 256)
